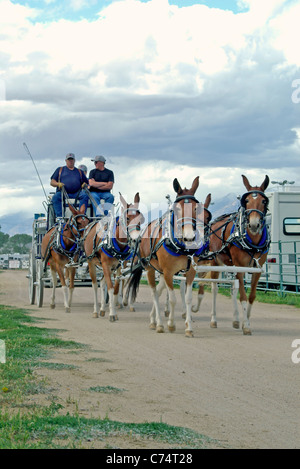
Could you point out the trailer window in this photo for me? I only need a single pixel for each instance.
(291, 226)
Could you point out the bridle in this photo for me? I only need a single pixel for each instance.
(127, 226)
(246, 212)
(184, 221)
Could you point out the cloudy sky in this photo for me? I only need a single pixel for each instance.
(162, 88)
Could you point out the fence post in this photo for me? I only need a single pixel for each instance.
(280, 268)
(296, 266)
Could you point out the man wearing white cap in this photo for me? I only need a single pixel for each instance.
(71, 179)
(101, 181)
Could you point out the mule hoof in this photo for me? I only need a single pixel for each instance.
(95, 315)
(172, 328)
(68, 310)
(112, 318)
(152, 326)
(160, 329)
(213, 324)
(183, 316)
(167, 314)
(102, 313)
(236, 324)
(247, 331)
(52, 306)
(189, 334)
(132, 309)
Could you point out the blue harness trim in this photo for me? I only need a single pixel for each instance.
(176, 248)
(63, 244)
(259, 247)
(113, 250)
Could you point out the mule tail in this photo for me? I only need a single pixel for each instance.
(132, 284)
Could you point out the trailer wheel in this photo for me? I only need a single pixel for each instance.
(39, 283)
(31, 277)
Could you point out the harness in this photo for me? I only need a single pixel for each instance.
(170, 242)
(57, 243)
(238, 234)
(108, 242)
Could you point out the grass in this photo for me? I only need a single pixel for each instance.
(291, 299)
(31, 426)
(262, 296)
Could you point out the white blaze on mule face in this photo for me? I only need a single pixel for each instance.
(184, 222)
(254, 224)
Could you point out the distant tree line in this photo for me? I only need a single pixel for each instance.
(18, 243)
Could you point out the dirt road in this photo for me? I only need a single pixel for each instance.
(240, 390)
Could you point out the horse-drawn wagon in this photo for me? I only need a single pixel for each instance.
(84, 248)
(39, 275)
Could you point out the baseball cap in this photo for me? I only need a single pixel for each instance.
(82, 167)
(70, 156)
(99, 158)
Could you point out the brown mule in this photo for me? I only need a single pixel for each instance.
(60, 246)
(107, 244)
(240, 239)
(166, 246)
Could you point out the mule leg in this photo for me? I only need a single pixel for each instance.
(155, 317)
(60, 271)
(102, 297)
(110, 288)
(252, 296)
(54, 282)
(92, 271)
(172, 301)
(236, 320)
(243, 299)
(213, 319)
(188, 302)
(200, 296)
(159, 289)
(71, 277)
(183, 299)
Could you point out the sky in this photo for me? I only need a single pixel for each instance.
(161, 88)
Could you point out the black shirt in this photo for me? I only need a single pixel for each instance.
(101, 176)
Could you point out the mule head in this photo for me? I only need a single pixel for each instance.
(131, 218)
(78, 220)
(255, 204)
(186, 207)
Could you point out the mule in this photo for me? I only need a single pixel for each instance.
(167, 246)
(107, 245)
(240, 239)
(61, 247)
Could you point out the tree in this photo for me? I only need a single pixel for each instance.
(3, 238)
(19, 243)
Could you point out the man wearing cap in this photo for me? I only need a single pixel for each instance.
(83, 168)
(72, 180)
(101, 181)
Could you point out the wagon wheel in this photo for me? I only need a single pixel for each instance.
(39, 283)
(31, 277)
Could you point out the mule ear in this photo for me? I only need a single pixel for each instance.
(72, 209)
(246, 183)
(137, 198)
(207, 201)
(177, 186)
(265, 184)
(123, 201)
(82, 209)
(195, 185)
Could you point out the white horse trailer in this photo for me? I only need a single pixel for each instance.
(282, 269)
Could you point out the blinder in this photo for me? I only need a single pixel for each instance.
(258, 192)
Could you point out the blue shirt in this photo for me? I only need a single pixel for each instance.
(72, 179)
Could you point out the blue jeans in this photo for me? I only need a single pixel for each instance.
(98, 208)
(56, 201)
